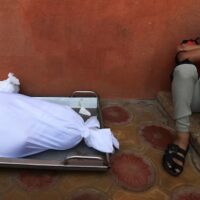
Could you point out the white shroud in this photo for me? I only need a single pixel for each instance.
(29, 126)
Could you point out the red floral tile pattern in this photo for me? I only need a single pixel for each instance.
(157, 136)
(88, 194)
(133, 172)
(186, 193)
(36, 179)
(116, 114)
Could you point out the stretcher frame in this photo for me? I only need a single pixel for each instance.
(80, 157)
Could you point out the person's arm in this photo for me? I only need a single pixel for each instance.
(192, 55)
(187, 47)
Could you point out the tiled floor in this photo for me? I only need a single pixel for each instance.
(143, 129)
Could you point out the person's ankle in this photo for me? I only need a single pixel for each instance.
(182, 139)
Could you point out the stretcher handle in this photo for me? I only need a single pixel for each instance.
(84, 93)
(82, 157)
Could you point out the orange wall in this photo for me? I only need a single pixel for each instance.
(119, 48)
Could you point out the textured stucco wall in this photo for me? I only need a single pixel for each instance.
(119, 48)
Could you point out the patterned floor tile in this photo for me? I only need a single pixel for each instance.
(152, 194)
(6, 180)
(87, 194)
(36, 179)
(16, 194)
(136, 171)
(116, 114)
(186, 193)
(133, 171)
(158, 136)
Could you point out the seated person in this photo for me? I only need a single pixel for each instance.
(186, 99)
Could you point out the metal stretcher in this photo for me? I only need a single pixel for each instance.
(80, 157)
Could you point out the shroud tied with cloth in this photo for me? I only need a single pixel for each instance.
(29, 126)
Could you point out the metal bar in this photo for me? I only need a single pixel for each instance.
(84, 93)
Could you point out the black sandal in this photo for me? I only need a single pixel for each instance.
(173, 152)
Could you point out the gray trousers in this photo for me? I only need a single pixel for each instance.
(186, 95)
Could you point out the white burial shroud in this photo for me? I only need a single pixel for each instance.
(29, 126)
